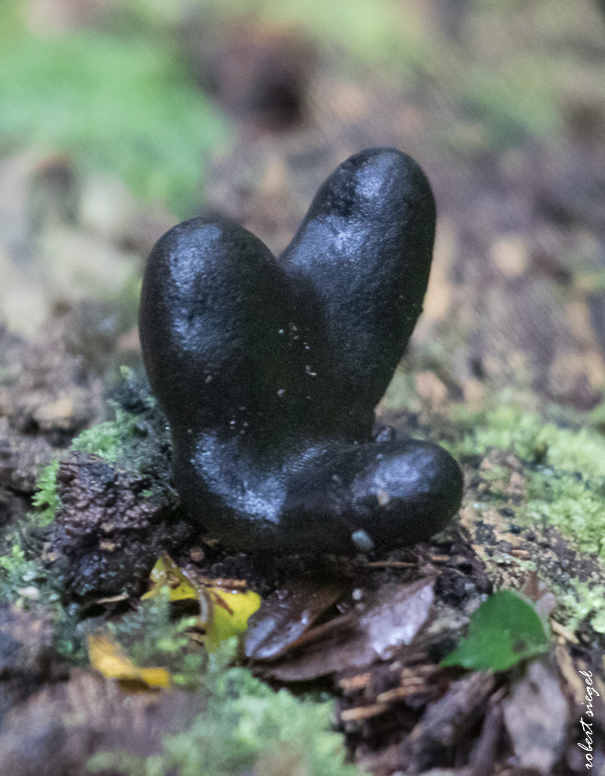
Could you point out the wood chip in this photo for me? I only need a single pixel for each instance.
(439, 558)
(484, 753)
(414, 681)
(352, 683)
(363, 712)
(389, 564)
(398, 693)
(561, 630)
(537, 738)
(421, 670)
(227, 584)
(570, 673)
(446, 722)
(112, 599)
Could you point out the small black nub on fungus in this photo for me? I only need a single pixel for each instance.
(269, 369)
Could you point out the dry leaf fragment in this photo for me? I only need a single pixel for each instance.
(286, 614)
(166, 573)
(398, 616)
(107, 657)
(537, 737)
(356, 640)
(362, 713)
(447, 722)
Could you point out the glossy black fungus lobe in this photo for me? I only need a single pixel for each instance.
(269, 369)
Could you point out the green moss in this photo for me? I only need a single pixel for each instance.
(585, 602)
(134, 441)
(580, 451)
(152, 637)
(504, 426)
(565, 473)
(508, 425)
(46, 497)
(571, 503)
(123, 106)
(25, 583)
(109, 439)
(244, 725)
(16, 571)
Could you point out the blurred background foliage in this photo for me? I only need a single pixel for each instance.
(124, 105)
(116, 84)
(119, 118)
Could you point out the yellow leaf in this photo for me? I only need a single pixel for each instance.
(155, 677)
(225, 613)
(166, 573)
(107, 656)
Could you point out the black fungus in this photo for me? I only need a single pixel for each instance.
(269, 369)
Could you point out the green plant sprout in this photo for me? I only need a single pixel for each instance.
(504, 630)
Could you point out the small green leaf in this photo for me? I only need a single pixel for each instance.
(504, 630)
